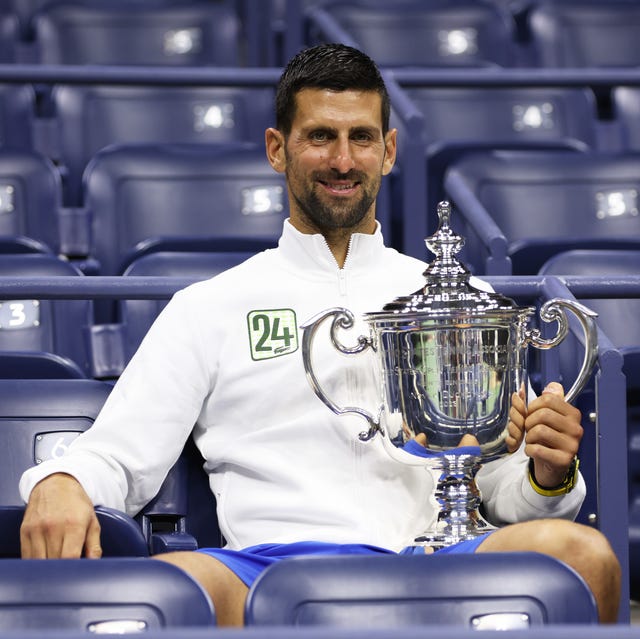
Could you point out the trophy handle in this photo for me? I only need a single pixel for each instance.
(342, 319)
(551, 311)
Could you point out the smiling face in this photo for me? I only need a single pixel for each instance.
(334, 158)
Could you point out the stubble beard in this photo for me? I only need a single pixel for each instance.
(335, 215)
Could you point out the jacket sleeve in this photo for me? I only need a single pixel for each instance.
(508, 497)
(122, 460)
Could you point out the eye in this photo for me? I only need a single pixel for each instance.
(362, 136)
(319, 136)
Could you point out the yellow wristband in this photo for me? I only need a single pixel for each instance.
(566, 486)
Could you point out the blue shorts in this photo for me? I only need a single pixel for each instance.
(248, 563)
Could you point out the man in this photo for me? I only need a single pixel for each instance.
(288, 475)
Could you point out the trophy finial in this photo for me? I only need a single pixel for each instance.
(445, 244)
(444, 213)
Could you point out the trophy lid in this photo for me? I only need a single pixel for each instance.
(448, 290)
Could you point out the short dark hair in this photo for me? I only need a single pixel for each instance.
(336, 67)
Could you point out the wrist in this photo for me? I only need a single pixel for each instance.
(564, 487)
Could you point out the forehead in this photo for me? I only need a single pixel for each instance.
(337, 108)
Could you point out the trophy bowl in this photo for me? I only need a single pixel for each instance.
(450, 357)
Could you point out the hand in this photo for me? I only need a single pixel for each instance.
(553, 434)
(517, 416)
(59, 521)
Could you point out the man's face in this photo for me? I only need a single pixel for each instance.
(334, 159)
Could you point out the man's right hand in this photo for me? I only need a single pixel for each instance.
(60, 521)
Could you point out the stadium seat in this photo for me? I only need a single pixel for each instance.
(38, 420)
(584, 34)
(42, 338)
(136, 316)
(90, 118)
(626, 110)
(113, 595)
(480, 591)
(17, 113)
(30, 201)
(438, 33)
(168, 192)
(618, 319)
(130, 32)
(518, 208)
(9, 34)
(460, 120)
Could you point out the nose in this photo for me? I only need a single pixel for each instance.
(341, 158)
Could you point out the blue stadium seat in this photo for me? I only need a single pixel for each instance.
(618, 318)
(481, 591)
(9, 35)
(584, 33)
(90, 118)
(438, 33)
(38, 420)
(30, 201)
(130, 32)
(626, 110)
(17, 113)
(460, 120)
(518, 208)
(42, 338)
(168, 192)
(113, 595)
(136, 316)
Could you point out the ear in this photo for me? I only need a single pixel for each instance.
(390, 148)
(274, 145)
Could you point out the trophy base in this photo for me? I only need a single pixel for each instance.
(447, 534)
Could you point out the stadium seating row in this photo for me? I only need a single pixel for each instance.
(130, 140)
(477, 33)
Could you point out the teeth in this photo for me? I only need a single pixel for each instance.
(342, 187)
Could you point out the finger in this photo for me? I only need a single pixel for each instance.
(32, 544)
(42, 540)
(421, 439)
(549, 459)
(468, 440)
(544, 435)
(92, 547)
(515, 435)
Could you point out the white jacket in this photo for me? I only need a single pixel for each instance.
(225, 356)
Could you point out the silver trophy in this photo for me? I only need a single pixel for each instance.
(450, 357)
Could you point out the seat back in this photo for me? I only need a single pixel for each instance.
(460, 120)
(481, 591)
(585, 34)
(115, 595)
(17, 113)
(618, 319)
(117, 32)
(90, 118)
(38, 421)
(30, 198)
(415, 33)
(42, 338)
(170, 192)
(626, 109)
(136, 316)
(518, 208)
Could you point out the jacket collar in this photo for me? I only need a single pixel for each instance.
(306, 250)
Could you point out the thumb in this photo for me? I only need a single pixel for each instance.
(554, 388)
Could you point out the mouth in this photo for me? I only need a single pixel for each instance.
(340, 188)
